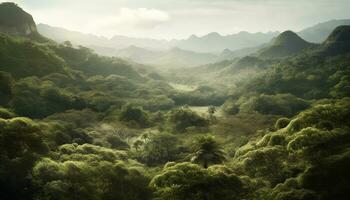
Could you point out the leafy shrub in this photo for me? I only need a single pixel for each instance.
(190, 181)
(184, 118)
(134, 116)
(282, 123)
(160, 148)
(21, 145)
(6, 114)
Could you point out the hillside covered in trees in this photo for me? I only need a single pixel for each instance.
(274, 125)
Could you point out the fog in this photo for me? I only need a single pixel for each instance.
(169, 19)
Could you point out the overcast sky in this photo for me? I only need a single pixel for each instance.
(181, 18)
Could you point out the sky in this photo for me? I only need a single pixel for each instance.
(175, 19)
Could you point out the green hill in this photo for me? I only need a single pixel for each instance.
(15, 21)
(320, 73)
(22, 57)
(286, 44)
(338, 41)
(319, 32)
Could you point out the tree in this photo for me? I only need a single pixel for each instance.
(134, 116)
(6, 82)
(67, 44)
(21, 144)
(137, 144)
(187, 181)
(211, 111)
(206, 151)
(282, 123)
(185, 118)
(160, 148)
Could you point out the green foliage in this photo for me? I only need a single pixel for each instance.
(91, 64)
(282, 123)
(6, 114)
(202, 96)
(307, 76)
(312, 149)
(280, 104)
(160, 148)
(189, 181)
(330, 178)
(134, 116)
(92, 173)
(99, 128)
(35, 98)
(21, 144)
(24, 58)
(184, 118)
(6, 83)
(206, 151)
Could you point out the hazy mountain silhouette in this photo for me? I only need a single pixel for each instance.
(174, 58)
(212, 42)
(321, 31)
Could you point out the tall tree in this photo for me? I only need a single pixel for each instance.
(206, 151)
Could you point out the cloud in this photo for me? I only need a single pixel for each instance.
(139, 18)
(181, 18)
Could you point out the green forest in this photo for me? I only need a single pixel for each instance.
(74, 124)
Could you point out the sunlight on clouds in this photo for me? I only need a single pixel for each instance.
(181, 18)
(138, 18)
(128, 19)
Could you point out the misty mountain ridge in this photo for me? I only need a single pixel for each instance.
(210, 43)
(172, 58)
(288, 46)
(320, 32)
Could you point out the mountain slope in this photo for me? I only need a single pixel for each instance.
(322, 72)
(286, 44)
(321, 31)
(173, 58)
(96, 42)
(15, 21)
(24, 58)
(338, 42)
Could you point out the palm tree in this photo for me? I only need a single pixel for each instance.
(206, 151)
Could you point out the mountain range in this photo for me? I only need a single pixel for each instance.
(210, 43)
(320, 32)
(173, 58)
(287, 46)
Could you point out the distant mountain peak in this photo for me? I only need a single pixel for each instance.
(192, 37)
(15, 21)
(226, 51)
(288, 38)
(319, 32)
(339, 35)
(286, 44)
(213, 35)
(338, 41)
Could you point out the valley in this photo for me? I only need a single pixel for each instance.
(245, 116)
